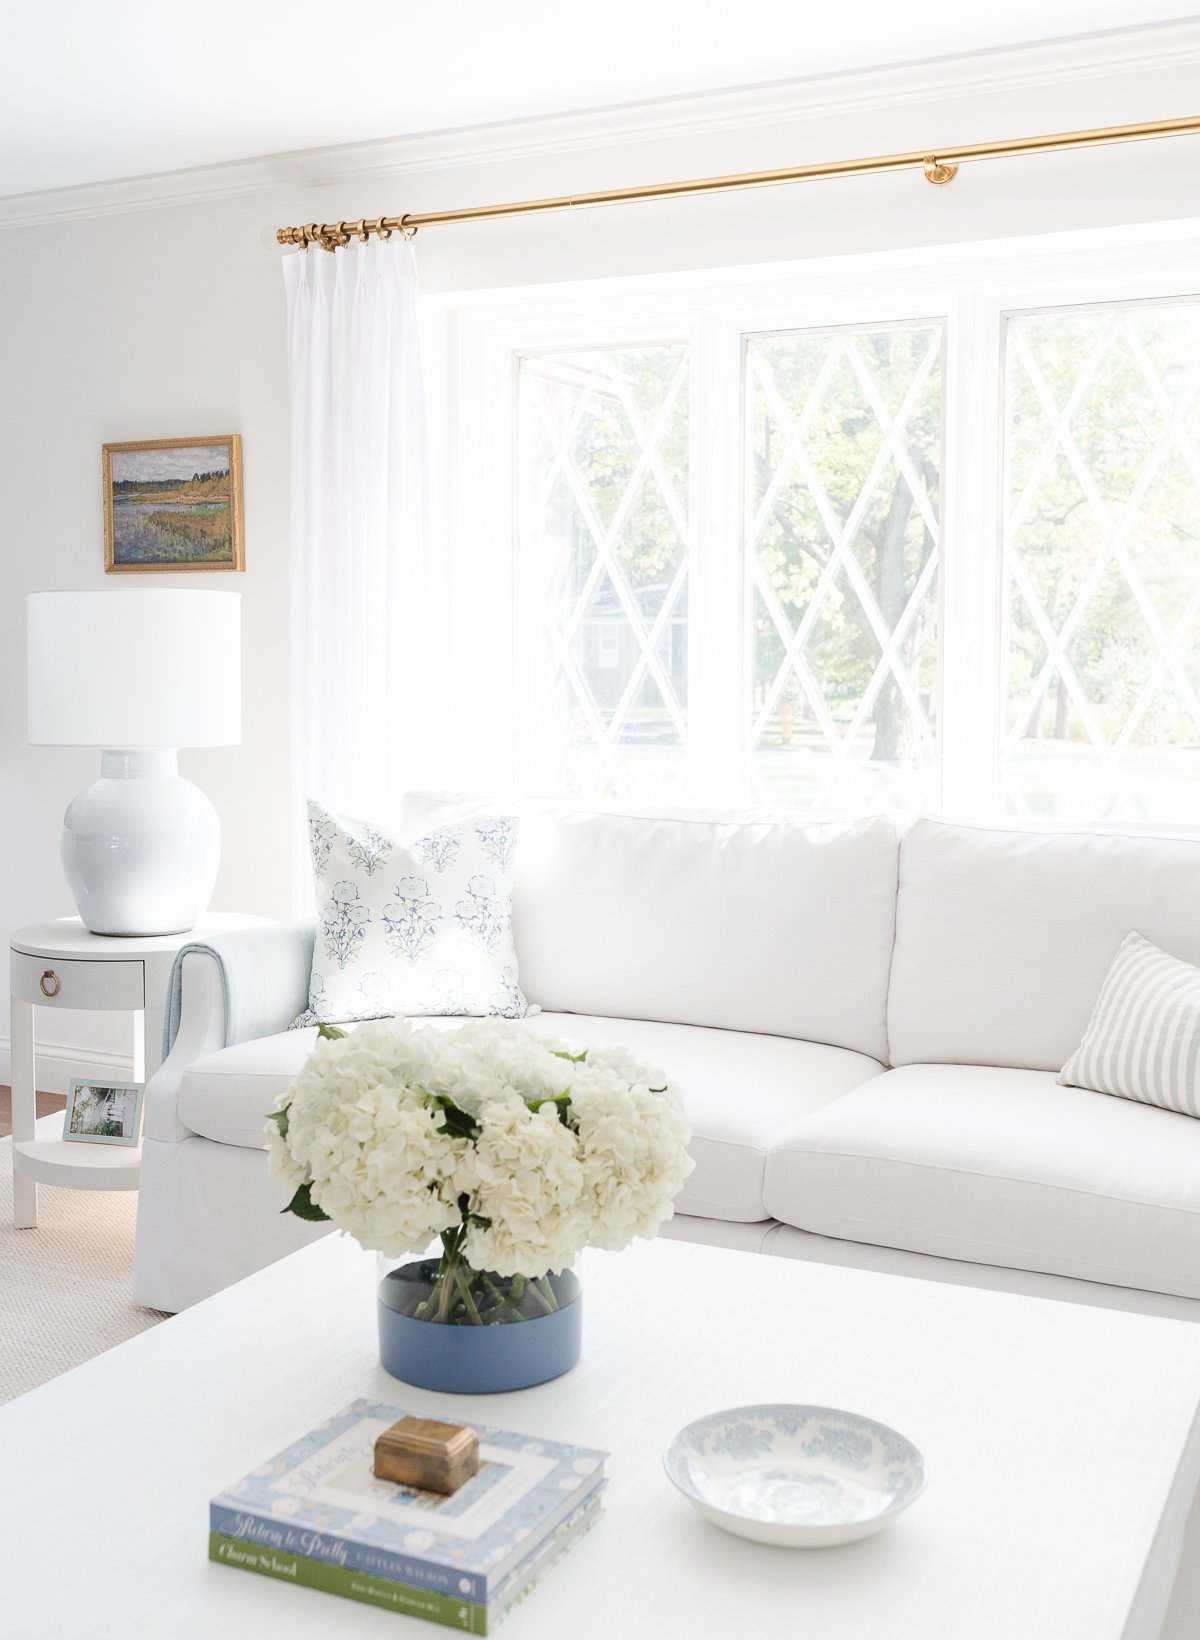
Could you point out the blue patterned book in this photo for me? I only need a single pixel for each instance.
(320, 1499)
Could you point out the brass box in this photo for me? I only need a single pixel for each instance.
(431, 1456)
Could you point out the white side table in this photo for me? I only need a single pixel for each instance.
(62, 965)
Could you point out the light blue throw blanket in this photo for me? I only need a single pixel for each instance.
(264, 976)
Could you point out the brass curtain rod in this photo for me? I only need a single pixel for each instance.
(939, 167)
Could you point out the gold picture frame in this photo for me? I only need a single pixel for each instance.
(162, 518)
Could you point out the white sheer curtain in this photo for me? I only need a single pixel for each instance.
(358, 508)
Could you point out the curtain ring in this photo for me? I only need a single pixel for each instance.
(407, 231)
(384, 233)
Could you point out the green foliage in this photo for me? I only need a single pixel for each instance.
(330, 1033)
(280, 1118)
(199, 485)
(456, 1122)
(562, 1103)
(303, 1206)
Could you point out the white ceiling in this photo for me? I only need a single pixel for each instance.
(95, 91)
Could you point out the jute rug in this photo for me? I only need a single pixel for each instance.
(64, 1287)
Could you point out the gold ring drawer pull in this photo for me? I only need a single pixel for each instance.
(49, 984)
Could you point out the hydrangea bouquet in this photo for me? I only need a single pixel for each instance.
(513, 1150)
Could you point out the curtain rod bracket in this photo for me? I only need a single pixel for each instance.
(939, 172)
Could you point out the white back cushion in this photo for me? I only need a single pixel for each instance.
(773, 926)
(1004, 937)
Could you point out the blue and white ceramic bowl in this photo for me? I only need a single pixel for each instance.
(796, 1476)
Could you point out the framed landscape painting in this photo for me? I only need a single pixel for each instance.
(173, 504)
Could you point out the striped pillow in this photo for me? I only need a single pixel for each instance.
(1143, 1040)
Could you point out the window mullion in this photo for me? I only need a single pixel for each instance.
(716, 681)
(970, 620)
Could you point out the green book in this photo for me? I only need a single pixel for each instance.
(453, 1612)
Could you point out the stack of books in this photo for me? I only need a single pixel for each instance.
(317, 1515)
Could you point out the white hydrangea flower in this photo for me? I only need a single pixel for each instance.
(365, 1122)
(487, 1060)
(528, 1180)
(633, 1133)
(363, 1133)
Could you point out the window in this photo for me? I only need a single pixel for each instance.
(1102, 562)
(843, 456)
(604, 452)
(905, 539)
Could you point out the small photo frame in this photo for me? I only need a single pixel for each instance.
(173, 504)
(104, 1113)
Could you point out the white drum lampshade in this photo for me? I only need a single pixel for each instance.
(138, 674)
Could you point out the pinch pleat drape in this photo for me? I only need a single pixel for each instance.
(357, 524)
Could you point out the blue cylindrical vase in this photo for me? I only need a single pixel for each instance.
(475, 1360)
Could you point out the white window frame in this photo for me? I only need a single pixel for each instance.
(969, 289)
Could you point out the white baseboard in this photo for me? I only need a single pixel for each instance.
(57, 1065)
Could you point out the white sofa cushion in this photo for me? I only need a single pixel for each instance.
(742, 1091)
(1004, 1167)
(1003, 937)
(751, 925)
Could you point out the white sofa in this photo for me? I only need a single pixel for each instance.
(867, 1022)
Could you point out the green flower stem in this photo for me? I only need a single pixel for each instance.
(445, 1295)
(447, 1273)
(464, 1286)
(425, 1311)
(460, 1294)
(536, 1291)
(499, 1308)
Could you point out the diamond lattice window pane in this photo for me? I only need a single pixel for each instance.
(1102, 562)
(604, 550)
(845, 449)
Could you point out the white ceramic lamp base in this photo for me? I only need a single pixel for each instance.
(140, 846)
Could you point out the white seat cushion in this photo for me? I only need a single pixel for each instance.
(1000, 1167)
(742, 1091)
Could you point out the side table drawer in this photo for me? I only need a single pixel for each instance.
(53, 983)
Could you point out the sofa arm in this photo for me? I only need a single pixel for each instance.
(263, 974)
(200, 1030)
(240, 986)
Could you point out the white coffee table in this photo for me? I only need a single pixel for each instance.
(1062, 1443)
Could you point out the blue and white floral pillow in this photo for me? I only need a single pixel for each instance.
(421, 928)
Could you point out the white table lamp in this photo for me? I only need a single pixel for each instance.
(138, 674)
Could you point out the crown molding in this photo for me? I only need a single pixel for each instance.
(1075, 59)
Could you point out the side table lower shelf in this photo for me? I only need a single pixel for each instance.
(50, 1159)
(60, 965)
